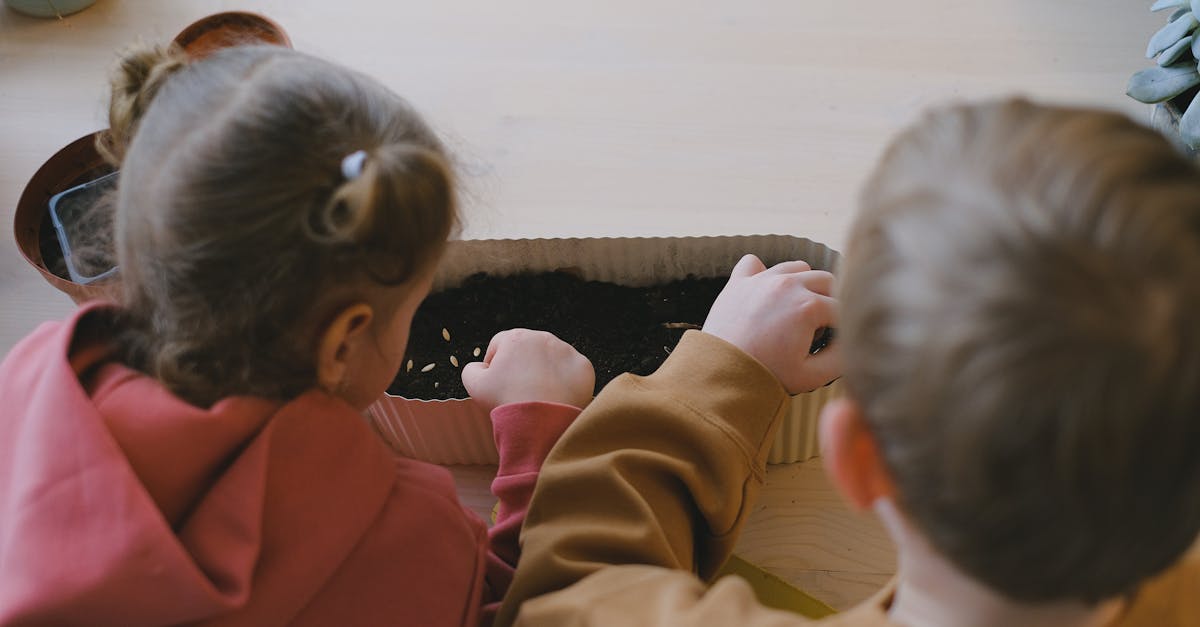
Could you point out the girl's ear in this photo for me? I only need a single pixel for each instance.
(851, 455)
(338, 344)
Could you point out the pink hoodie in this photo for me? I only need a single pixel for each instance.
(120, 504)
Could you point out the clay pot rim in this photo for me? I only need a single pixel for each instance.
(243, 21)
(80, 150)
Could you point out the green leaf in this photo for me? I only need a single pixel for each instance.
(1170, 34)
(1157, 84)
(1180, 13)
(1167, 4)
(1189, 124)
(1172, 54)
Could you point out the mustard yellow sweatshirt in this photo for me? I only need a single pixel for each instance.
(643, 499)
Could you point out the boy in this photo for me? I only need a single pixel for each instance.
(1018, 321)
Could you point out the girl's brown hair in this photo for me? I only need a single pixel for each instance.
(1020, 299)
(237, 234)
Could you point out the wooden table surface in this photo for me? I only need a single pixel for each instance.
(623, 117)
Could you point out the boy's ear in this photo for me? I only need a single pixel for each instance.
(337, 344)
(851, 455)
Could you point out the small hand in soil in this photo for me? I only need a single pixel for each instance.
(618, 328)
(781, 316)
(523, 365)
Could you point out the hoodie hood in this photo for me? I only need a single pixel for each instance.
(122, 504)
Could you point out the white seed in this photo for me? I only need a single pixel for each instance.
(475, 352)
(445, 334)
(435, 384)
(453, 361)
(428, 367)
(408, 368)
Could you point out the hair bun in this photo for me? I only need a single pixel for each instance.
(139, 74)
(404, 179)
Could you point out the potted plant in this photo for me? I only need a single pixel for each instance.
(232, 28)
(1173, 83)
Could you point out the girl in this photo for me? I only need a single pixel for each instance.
(196, 454)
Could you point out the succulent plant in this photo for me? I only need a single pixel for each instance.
(1176, 49)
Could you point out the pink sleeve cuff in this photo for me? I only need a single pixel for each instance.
(525, 433)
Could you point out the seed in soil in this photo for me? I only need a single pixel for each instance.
(445, 334)
(408, 368)
(618, 328)
(453, 361)
(428, 367)
(681, 325)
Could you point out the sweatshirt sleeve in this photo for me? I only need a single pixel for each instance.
(1171, 599)
(525, 433)
(658, 471)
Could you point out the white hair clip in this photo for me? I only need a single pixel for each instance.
(352, 165)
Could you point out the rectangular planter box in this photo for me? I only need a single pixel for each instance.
(458, 432)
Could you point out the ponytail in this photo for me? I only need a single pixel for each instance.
(238, 228)
(398, 188)
(139, 75)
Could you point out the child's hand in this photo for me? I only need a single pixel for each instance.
(523, 365)
(774, 315)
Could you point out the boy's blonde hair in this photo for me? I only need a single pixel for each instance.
(237, 234)
(1020, 303)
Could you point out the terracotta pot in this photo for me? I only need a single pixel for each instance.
(75, 164)
(222, 30)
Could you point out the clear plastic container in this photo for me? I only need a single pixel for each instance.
(83, 221)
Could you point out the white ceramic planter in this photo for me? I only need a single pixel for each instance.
(458, 432)
(49, 8)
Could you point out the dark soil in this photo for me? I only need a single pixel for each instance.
(620, 329)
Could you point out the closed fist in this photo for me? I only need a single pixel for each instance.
(523, 365)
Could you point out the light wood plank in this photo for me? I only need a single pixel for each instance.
(802, 531)
(673, 117)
